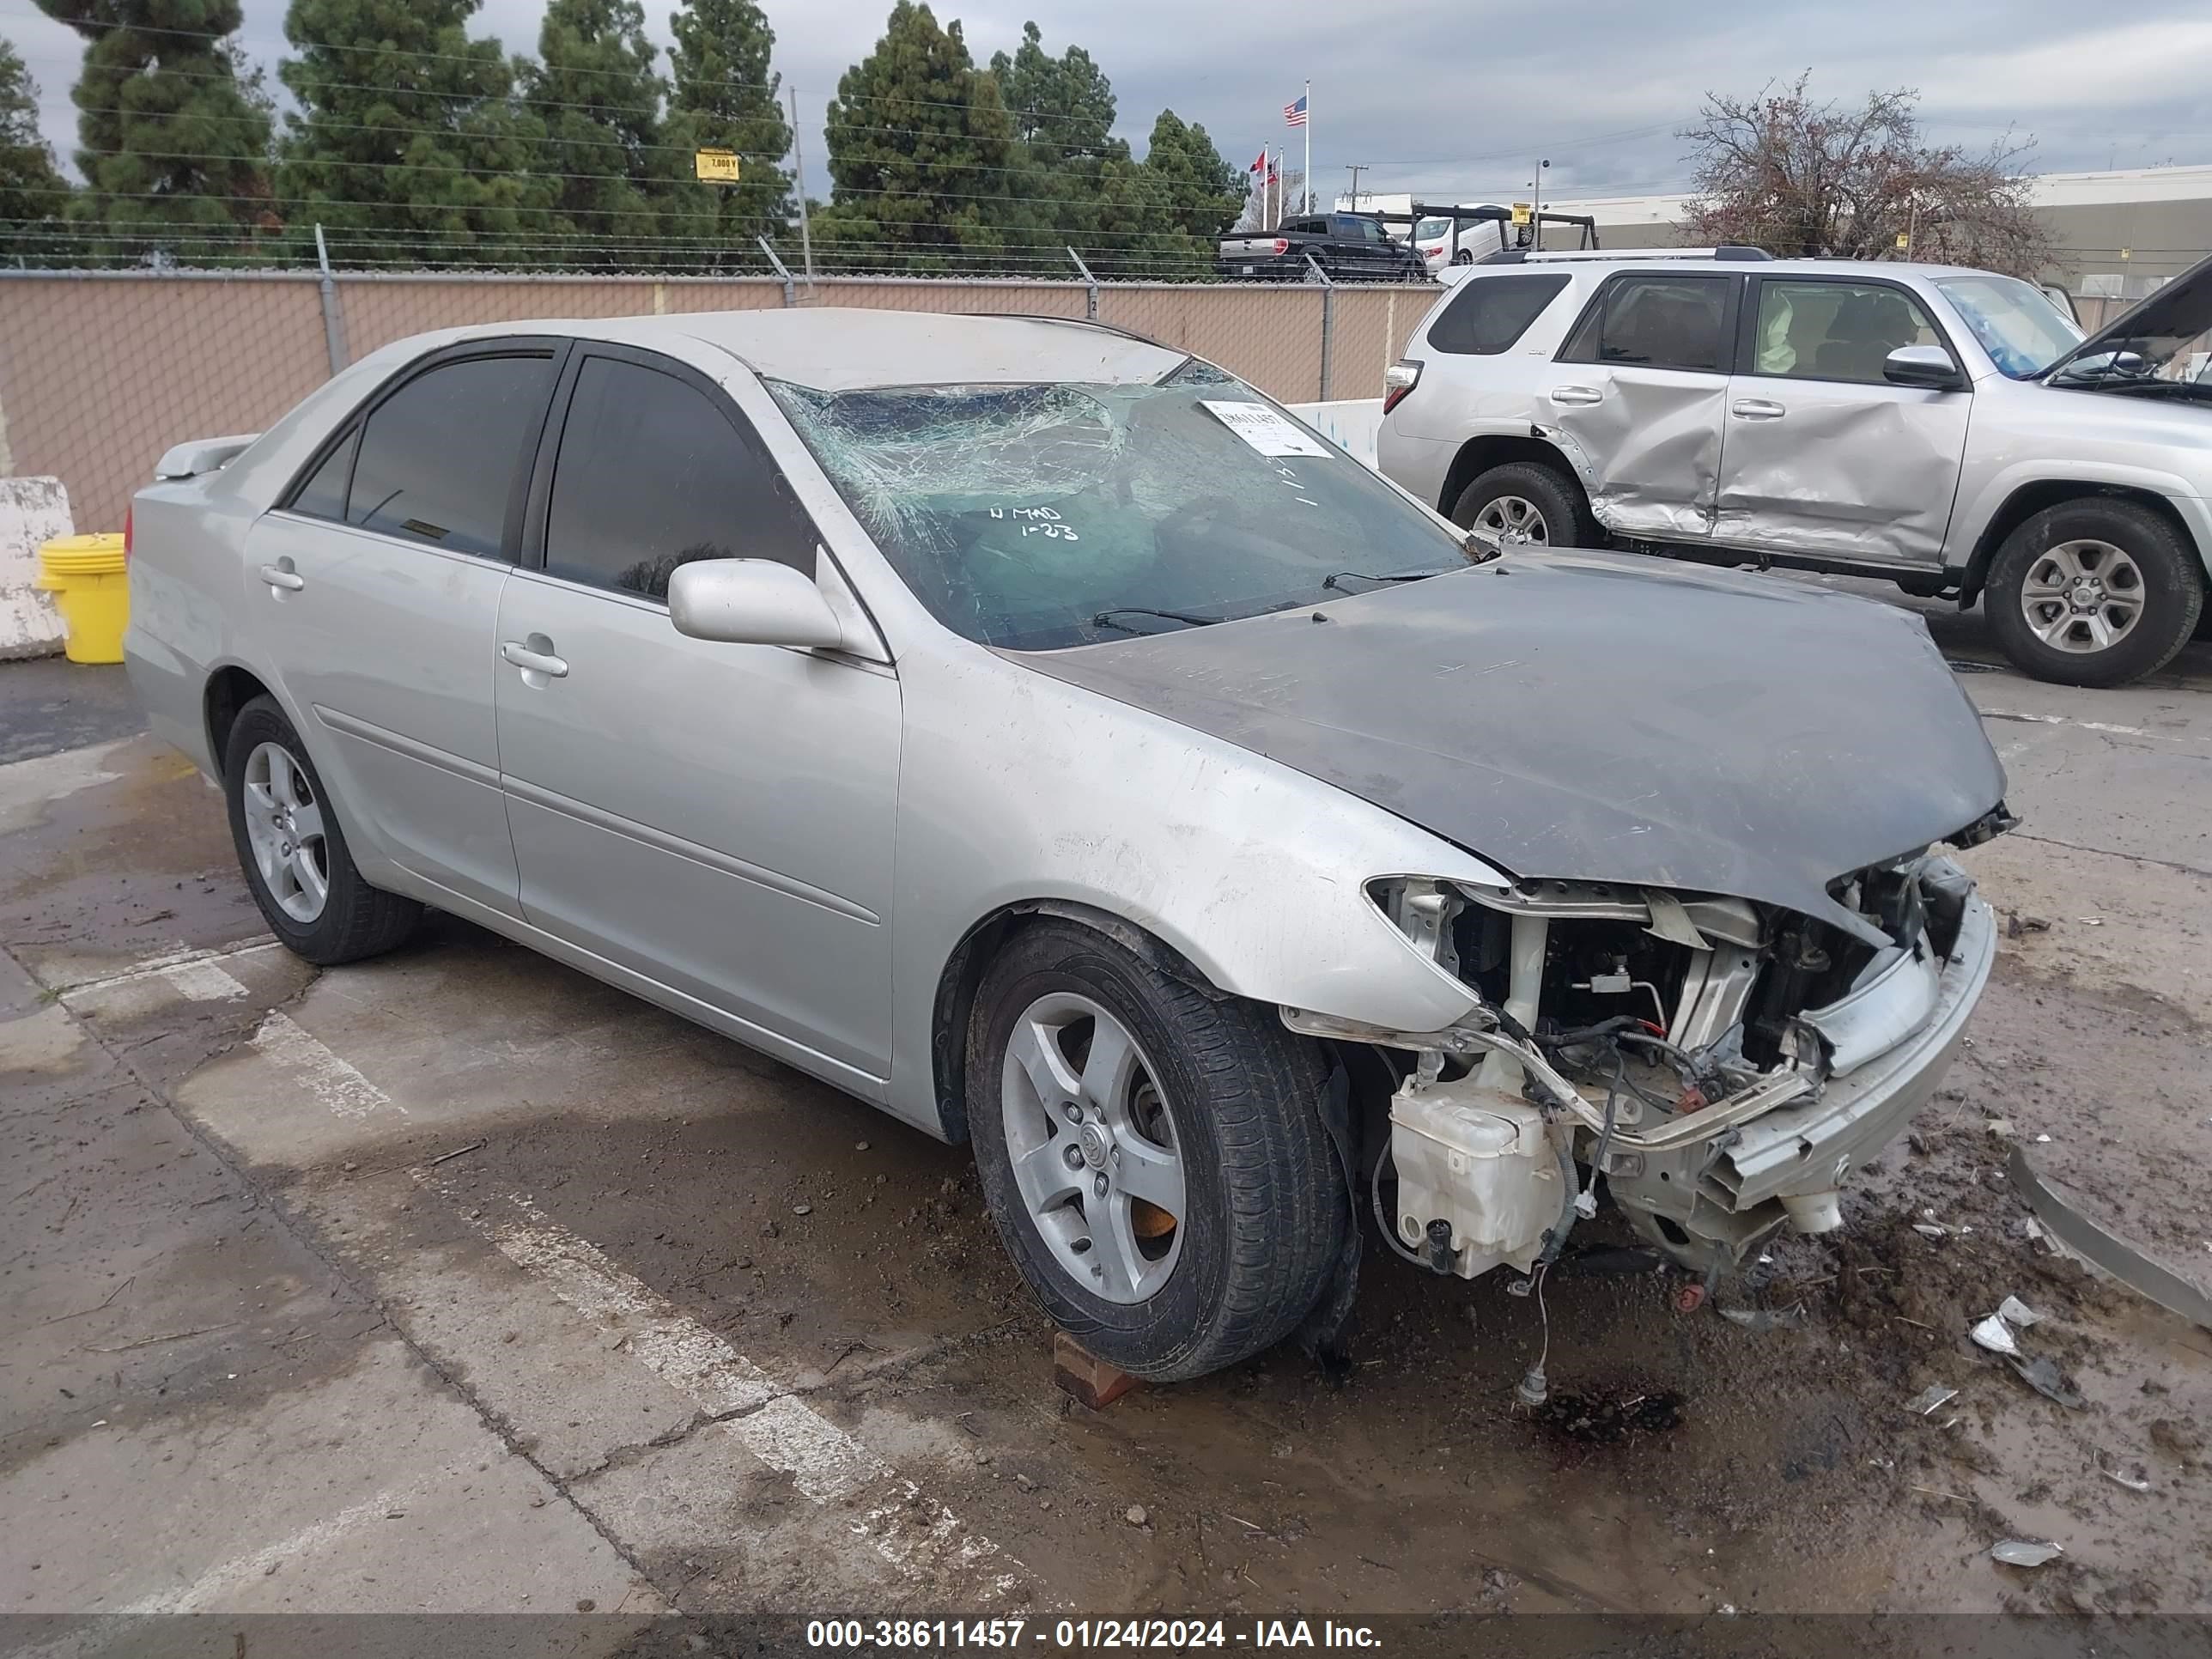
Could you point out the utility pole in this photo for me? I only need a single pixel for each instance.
(1355, 168)
(1537, 209)
(799, 173)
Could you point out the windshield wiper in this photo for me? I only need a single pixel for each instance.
(1105, 618)
(1336, 581)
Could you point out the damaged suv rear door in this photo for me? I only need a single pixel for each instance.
(1635, 397)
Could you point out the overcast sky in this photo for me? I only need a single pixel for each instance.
(1458, 97)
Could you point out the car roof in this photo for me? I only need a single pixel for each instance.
(837, 349)
(1606, 261)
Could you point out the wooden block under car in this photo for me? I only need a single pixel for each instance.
(1085, 1375)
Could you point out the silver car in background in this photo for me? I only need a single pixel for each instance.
(1946, 428)
(1035, 733)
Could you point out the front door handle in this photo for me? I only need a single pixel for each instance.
(283, 577)
(1757, 408)
(1577, 394)
(533, 662)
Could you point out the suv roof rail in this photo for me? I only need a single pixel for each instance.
(1517, 255)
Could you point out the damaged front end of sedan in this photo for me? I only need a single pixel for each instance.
(1717, 1067)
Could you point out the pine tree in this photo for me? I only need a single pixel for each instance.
(1206, 193)
(594, 89)
(174, 130)
(1062, 107)
(725, 97)
(920, 146)
(406, 135)
(32, 191)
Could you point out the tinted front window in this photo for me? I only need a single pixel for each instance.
(2023, 333)
(438, 458)
(1047, 515)
(652, 474)
(1836, 330)
(324, 494)
(1658, 322)
(1489, 313)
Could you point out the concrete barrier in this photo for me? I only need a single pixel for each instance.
(1352, 422)
(32, 511)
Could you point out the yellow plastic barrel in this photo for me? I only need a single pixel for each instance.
(91, 584)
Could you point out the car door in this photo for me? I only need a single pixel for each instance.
(716, 817)
(375, 587)
(1636, 395)
(1822, 454)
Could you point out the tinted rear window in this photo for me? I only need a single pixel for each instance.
(438, 458)
(1489, 313)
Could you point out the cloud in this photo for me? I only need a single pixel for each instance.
(1461, 97)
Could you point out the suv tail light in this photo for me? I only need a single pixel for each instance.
(1282, 245)
(1401, 378)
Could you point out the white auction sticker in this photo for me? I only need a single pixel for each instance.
(1263, 428)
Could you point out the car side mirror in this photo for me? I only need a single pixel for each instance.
(1929, 368)
(751, 602)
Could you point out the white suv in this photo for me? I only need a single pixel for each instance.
(1947, 428)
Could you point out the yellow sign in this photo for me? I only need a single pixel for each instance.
(1519, 213)
(716, 167)
(1904, 240)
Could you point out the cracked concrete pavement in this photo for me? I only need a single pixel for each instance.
(455, 1280)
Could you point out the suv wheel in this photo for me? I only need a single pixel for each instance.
(1526, 502)
(1464, 257)
(293, 851)
(1154, 1159)
(2097, 591)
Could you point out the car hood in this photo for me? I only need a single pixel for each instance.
(1583, 717)
(2156, 327)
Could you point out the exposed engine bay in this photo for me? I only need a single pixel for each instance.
(1713, 1066)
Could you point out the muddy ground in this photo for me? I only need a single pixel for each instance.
(457, 1281)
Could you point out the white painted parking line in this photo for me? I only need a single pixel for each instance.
(335, 1083)
(197, 975)
(923, 1540)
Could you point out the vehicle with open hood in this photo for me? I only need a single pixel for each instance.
(1947, 430)
(1036, 732)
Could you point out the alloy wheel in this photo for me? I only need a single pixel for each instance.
(284, 827)
(2083, 596)
(1093, 1148)
(1513, 519)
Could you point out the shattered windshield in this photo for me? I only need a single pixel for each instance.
(1039, 516)
(2015, 322)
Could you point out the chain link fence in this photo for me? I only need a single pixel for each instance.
(101, 371)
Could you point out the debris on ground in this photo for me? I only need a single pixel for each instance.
(1934, 1395)
(1995, 1335)
(2017, 1313)
(2020, 1553)
(1135, 1515)
(2042, 1374)
(2134, 1476)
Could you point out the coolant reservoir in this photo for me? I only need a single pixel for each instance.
(1480, 1160)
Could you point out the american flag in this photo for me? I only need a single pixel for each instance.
(1294, 115)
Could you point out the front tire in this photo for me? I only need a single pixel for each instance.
(2097, 592)
(1154, 1159)
(294, 851)
(1528, 503)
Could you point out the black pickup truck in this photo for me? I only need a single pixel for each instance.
(1349, 246)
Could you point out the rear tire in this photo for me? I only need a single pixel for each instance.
(1527, 502)
(1234, 1100)
(2096, 592)
(293, 850)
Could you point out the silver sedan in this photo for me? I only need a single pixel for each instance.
(1036, 732)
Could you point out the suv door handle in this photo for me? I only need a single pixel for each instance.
(1577, 394)
(533, 662)
(283, 577)
(1757, 408)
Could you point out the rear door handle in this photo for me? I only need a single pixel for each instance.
(533, 662)
(1757, 408)
(1577, 394)
(284, 578)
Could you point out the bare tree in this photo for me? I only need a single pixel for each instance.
(1795, 176)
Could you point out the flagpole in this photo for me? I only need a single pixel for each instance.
(1309, 127)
